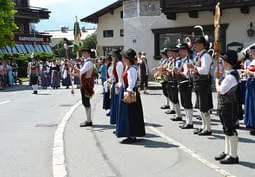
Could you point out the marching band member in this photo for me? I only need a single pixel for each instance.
(226, 88)
(130, 121)
(162, 77)
(33, 71)
(87, 84)
(201, 81)
(185, 84)
(173, 83)
(117, 72)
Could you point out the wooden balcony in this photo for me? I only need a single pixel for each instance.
(171, 7)
(33, 14)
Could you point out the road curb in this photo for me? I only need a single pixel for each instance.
(58, 153)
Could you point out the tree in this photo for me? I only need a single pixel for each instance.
(90, 41)
(7, 24)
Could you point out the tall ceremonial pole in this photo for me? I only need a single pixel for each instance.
(217, 43)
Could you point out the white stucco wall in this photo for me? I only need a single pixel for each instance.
(110, 22)
(139, 28)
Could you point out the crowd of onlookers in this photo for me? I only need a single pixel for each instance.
(8, 73)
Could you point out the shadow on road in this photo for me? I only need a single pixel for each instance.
(100, 128)
(248, 164)
(241, 139)
(154, 144)
(152, 124)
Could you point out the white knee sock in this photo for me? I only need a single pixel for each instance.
(227, 149)
(203, 121)
(88, 112)
(207, 121)
(233, 142)
(36, 87)
(189, 113)
(177, 110)
(167, 101)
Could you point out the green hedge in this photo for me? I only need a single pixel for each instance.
(23, 59)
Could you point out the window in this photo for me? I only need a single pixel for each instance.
(121, 33)
(121, 14)
(108, 33)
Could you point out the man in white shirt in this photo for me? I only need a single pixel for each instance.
(202, 83)
(87, 85)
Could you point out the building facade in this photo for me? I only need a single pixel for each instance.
(152, 25)
(27, 40)
(110, 32)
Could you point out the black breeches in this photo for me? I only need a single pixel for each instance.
(173, 91)
(85, 100)
(229, 116)
(186, 95)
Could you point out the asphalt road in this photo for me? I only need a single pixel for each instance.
(166, 150)
(28, 124)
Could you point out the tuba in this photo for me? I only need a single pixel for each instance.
(241, 55)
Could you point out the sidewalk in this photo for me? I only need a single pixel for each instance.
(96, 152)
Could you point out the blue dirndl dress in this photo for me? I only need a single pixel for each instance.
(249, 117)
(114, 105)
(130, 121)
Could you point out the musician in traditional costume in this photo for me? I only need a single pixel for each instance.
(162, 78)
(185, 84)
(87, 85)
(172, 85)
(226, 87)
(33, 71)
(107, 84)
(130, 122)
(117, 71)
(202, 84)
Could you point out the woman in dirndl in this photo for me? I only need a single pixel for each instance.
(106, 92)
(130, 122)
(249, 108)
(117, 72)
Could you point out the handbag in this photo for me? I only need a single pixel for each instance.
(133, 96)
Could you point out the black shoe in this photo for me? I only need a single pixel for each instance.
(252, 132)
(108, 114)
(86, 124)
(221, 156)
(128, 141)
(205, 133)
(114, 132)
(165, 107)
(199, 118)
(197, 131)
(230, 160)
(170, 112)
(35, 92)
(188, 126)
(177, 119)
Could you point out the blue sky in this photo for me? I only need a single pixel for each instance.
(63, 12)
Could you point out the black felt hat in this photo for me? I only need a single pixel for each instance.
(200, 40)
(130, 54)
(184, 46)
(172, 49)
(230, 57)
(116, 53)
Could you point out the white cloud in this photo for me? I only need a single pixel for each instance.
(46, 3)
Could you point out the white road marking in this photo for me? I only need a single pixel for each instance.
(5, 102)
(192, 153)
(58, 152)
